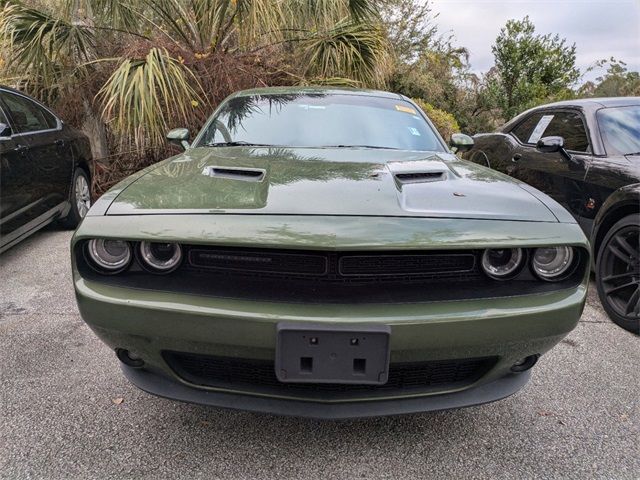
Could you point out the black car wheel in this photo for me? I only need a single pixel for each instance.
(618, 273)
(80, 199)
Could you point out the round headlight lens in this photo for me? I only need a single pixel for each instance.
(160, 257)
(502, 263)
(109, 255)
(552, 263)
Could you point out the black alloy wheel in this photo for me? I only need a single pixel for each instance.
(618, 273)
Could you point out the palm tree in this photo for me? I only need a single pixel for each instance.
(141, 66)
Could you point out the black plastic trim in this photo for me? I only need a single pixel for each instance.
(163, 386)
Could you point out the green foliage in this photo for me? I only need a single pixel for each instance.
(140, 88)
(410, 28)
(616, 82)
(43, 48)
(530, 68)
(350, 49)
(444, 122)
(131, 69)
(425, 64)
(150, 61)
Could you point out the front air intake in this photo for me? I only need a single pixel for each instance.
(236, 173)
(420, 177)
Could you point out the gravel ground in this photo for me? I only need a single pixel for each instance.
(67, 412)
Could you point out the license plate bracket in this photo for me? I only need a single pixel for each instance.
(320, 353)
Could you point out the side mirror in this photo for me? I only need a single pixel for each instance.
(180, 137)
(550, 144)
(461, 142)
(5, 130)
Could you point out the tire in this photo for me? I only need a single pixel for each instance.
(618, 273)
(80, 199)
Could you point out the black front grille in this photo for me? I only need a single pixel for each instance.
(258, 376)
(256, 261)
(384, 265)
(332, 266)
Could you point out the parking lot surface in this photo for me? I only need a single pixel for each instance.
(66, 411)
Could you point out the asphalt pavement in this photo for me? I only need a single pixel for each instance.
(67, 412)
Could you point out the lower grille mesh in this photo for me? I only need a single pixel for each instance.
(258, 376)
(332, 267)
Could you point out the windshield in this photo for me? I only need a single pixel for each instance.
(620, 128)
(320, 120)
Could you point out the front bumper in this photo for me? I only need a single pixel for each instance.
(149, 323)
(489, 392)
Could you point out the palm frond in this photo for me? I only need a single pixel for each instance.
(143, 94)
(353, 50)
(325, 13)
(261, 20)
(198, 25)
(41, 45)
(115, 15)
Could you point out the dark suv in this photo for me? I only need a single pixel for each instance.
(586, 155)
(45, 169)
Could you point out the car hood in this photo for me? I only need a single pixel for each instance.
(324, 181)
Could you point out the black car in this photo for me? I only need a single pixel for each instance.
(586, 155)
(45, 169)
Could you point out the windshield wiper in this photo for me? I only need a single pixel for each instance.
(360, 146)
(238, 144)
(633, 154)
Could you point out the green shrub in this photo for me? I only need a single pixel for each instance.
(444, 121)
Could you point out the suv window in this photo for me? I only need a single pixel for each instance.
(27, 116)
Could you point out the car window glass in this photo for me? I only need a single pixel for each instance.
(620, 129)
(321, 120)
(27, 116)
(568, 125)
(542, 125)
(5, 124)
(525, 128)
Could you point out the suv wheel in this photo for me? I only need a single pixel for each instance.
(80, 199)
(618, 273)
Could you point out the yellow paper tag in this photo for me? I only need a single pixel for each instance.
(402, 108)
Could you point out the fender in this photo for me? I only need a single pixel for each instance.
(624, 201)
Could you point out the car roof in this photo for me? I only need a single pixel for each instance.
(317, 89)
(597, 102)
(587, 105)
(9, 89)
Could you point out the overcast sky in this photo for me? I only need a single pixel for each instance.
(599, 28)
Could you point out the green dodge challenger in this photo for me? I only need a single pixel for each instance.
(323, 253)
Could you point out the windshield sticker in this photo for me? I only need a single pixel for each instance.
(402, 108)
(414, 131)
(540, 128)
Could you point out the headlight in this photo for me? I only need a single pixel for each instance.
(109, 256)
(160, 257)
(503, 263)
(552, 263)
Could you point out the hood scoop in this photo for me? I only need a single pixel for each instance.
(420, 177)
(236, 173)
(418, 172)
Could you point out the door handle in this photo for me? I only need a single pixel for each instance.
(21, 149)
(516, 157)
(59, 143)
